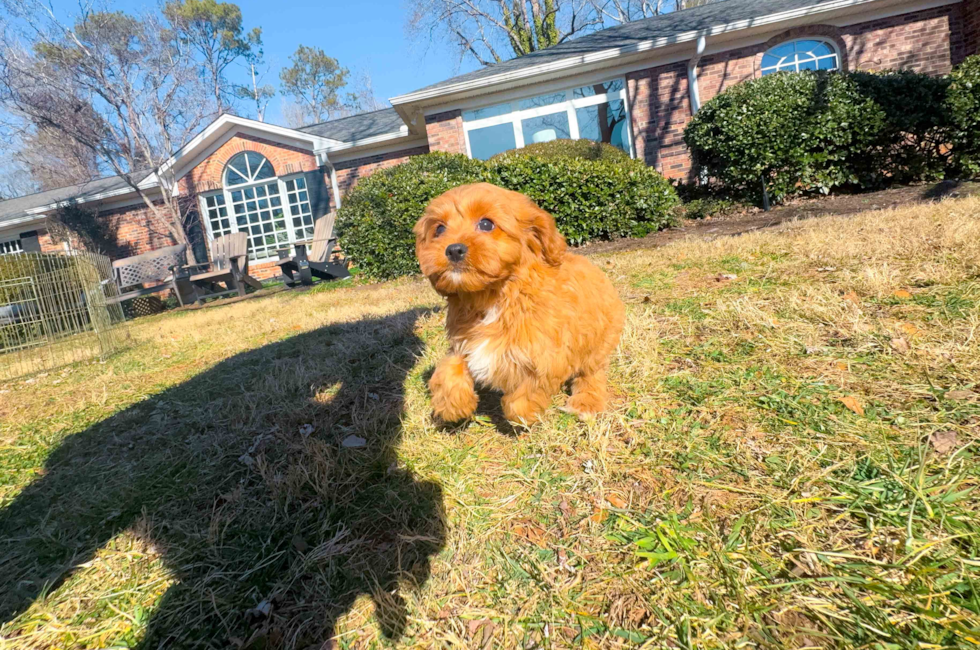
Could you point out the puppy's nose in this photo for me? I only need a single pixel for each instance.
(456, 252)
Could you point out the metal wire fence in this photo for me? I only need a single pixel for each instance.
(53, 311)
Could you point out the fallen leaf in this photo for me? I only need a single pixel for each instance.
(944, 441)
(616, 501)
(534, 534)
(261, 610)
(852, 403)
(959, 394)
(599, 515)
(300, 544)
(910, 329)
(826, 269)
(722, 277)
(353, 442)
(902, 293)
(900, 345)
(566, 508)
(842, 365)
(852, 297)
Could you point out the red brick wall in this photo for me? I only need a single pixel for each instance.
(929, 41)
(351, 171)
(660, 107)
(971, 27)
(284, 158)
(445, 132)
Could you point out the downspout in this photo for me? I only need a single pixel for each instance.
(692, 75)
(324, 161)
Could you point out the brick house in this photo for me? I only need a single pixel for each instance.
(634, 86)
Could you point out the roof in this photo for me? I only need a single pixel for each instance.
(358, 127)
(658, 27)
(19, 206)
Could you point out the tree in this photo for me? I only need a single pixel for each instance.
(256, 92)
(490, 31)
(313, 81)
(214, 30)
(53, 161)
(120, 86)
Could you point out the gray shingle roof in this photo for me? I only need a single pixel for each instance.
(664, 26)
(357, 127)
(17, 207)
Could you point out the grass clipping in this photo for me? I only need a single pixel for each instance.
(790, 461)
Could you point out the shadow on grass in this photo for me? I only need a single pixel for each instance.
(247, 511)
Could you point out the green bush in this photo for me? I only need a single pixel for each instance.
(590, 199)
(798, 131)
(375, 223)
(913, 143)
(963, 102)
(568, 149)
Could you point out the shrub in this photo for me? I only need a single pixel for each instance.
(591, 199)
(375, 223)
(798, 131)
(963, 102)
(568, 149)
(914, 142)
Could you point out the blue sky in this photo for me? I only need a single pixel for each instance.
(365, 36)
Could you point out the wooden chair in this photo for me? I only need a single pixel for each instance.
(229, 265)
(160, 269)
(302, 267)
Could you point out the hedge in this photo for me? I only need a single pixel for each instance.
(818, 131)
(568, 149)
(590, 199)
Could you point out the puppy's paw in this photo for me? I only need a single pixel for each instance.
(585, 404)
(454, 404)
(521, 410)
(453, 394)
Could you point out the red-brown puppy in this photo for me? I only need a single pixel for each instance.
(525, 315)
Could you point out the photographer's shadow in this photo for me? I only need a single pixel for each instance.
(270, 528)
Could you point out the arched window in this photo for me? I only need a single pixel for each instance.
(248, 167)
(275, 212)
(802, 54)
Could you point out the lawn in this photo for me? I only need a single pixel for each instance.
(790, 461)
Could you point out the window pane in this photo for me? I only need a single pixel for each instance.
(543, 100)
(491, 140)
(489, 111)
(545, 128)
(604, 123)
(599, 88)
(800, 55)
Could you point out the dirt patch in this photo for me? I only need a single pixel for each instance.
(743, 222)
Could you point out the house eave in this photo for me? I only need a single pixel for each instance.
(610, 57)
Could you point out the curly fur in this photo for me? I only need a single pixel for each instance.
(525, 315)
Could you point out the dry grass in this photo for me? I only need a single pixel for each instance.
(791, 462)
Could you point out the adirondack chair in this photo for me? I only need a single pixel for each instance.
(229, 265)
(160, 269)
(302, 267)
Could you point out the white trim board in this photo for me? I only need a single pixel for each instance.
(838, 12)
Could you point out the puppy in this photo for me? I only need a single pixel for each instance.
(525, 315)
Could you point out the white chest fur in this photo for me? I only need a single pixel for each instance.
(482, 361)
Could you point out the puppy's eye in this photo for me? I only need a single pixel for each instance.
(485, 225)
(440, 229)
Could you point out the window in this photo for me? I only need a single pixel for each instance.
(275, 212)
(805, 54)
(10, 247)
(595, 112)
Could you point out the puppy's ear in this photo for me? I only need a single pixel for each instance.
(545, 241)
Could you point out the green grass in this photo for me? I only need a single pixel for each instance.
(775, 471)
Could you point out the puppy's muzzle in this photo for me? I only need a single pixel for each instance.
(456, 252)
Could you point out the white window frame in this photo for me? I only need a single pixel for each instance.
(517, 114)
(11, 246)
(233, 222)
(819, 39)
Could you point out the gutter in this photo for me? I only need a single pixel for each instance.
(323, 160)
(482, 83)
(692, 74)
